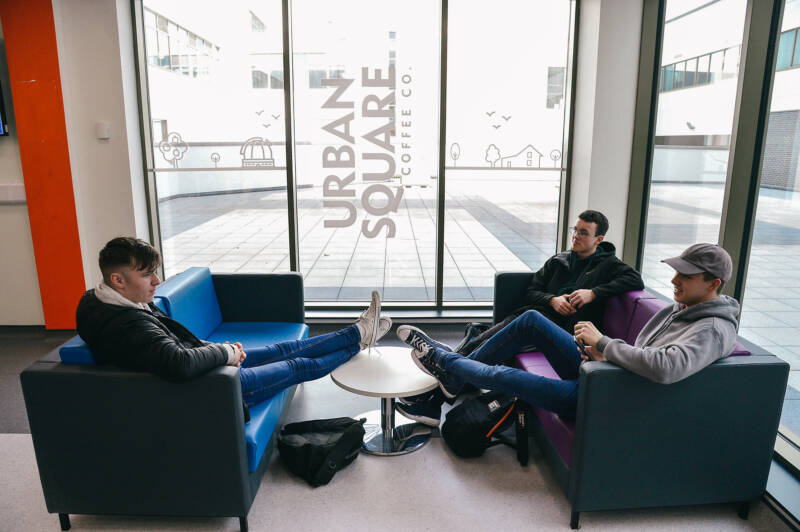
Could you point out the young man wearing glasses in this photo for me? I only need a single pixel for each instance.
(571, 287)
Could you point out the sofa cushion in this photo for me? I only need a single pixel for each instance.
(263, 422)
(161, 304)
(560, 432)
(645, 309)
(626, 314)
(75, 351)
(255, 334)
(189, 298)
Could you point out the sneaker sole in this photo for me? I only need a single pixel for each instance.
(377, 321)
(425, 420)
(421, 366)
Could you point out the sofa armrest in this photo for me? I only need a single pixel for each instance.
(509, 292)
(260, 297)
(168, 442)
(708, 438)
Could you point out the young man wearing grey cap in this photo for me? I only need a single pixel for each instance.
(678, 341)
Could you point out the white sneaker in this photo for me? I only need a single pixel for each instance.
(371, 323)
(384, 324)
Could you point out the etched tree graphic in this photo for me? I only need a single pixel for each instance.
(173, 148)
(555, 155)
(455, 152)
(215, 159)
(492, 155)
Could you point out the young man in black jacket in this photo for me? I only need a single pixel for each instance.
(123, 327)
(572, 286)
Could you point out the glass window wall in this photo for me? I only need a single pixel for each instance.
(218, 137)
(365, 118)
(693, 130)
(505, 140)
(771, 301)
(367, 147)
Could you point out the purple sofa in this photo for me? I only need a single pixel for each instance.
(636, 443)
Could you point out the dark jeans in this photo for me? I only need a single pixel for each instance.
(482, 369)
(271, 369)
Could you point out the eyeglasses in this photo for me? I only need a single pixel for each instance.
(580, 233)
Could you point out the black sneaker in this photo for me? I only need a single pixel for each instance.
(426, 358)
(433, 396)
(429, 413)
(407, 333)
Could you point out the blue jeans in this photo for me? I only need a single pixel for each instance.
(482, 370)
(271, 369)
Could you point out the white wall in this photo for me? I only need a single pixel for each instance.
(96, 59)
(20, 303)
(608, 62)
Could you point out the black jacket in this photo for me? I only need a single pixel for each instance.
(605, 274)
(136, 339)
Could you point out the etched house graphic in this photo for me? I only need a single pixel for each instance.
(257, 152)
(527, 157)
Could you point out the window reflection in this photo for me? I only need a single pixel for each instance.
(693, 130)
(771, 301)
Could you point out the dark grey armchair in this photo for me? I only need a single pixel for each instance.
(635, 443)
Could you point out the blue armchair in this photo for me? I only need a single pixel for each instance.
(113, 441)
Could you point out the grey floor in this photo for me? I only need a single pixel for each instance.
(430, 489)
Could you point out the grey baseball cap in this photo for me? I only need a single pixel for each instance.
(699, 258)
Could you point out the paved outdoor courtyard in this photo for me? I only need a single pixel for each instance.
(510, 226)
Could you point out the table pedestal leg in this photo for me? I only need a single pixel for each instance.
(383, 437)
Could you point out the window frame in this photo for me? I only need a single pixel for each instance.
(211, 51)
(757, 57)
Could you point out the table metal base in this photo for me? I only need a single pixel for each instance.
(384, 438)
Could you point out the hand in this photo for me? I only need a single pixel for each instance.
(239, 352)
(594, 354)
(587, 333)
(561, 305)
(581, 297)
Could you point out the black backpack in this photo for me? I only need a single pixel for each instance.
(475, 424)
(317, 449)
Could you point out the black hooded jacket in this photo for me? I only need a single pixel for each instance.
(146, 341)
(604, 274)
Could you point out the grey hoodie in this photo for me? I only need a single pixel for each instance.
(678, 342)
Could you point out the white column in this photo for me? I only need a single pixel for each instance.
(605, 101)
(96, 59)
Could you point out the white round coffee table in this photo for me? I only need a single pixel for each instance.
(387, 372)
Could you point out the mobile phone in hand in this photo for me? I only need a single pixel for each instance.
(582, 349)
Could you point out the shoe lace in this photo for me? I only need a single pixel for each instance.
(420, 344)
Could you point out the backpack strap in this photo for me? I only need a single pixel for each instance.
(319, 425)
(353, 434)
(503, 419)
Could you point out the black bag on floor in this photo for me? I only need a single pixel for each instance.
(317, 449)
(475, 425)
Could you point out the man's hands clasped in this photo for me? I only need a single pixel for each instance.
(570, 303)
(240, 354)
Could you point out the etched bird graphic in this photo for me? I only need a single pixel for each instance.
(266, 125)
(496, 126)
(490, 113)
(259, 113)
(506, 118)
(276, 116)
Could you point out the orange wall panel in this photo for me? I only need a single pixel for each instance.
(30, 40)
